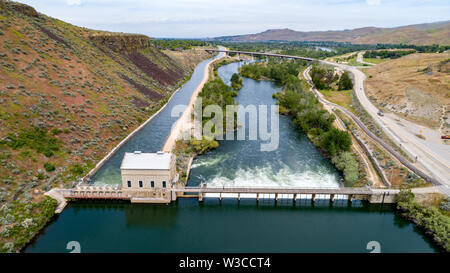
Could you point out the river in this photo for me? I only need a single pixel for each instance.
(229, 225)
(295, 163)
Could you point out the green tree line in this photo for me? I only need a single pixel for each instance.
(174, 44)
(434, 222)
(384, 54)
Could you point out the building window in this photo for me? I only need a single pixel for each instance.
(152, 184)
(164, 184)
(140, 184)
(129, 184)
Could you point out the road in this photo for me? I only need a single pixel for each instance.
(360, 59)
(431, 158)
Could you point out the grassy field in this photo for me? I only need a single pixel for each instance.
(374, 60)
(341, 98)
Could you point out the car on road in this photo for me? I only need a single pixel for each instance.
(381, 114)
(445, 137)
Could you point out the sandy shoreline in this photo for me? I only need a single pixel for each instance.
(184, 122)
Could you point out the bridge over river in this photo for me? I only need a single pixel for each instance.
(261, 54)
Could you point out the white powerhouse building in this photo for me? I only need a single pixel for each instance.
(148, 177)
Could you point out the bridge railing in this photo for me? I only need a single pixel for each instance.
(281, 190)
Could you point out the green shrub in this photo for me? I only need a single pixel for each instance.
(203, 145)
(77, 169)
(334, 141)
(345, 83)
(49, 167)
(27, 219)
(346, 162)
(236, 82)
(37, 139)
(56, 131)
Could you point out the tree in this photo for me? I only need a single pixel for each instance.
(346, 162)
(336, 141)
(236, 81)
(345, 83)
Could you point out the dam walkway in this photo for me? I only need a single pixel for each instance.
(143, 195)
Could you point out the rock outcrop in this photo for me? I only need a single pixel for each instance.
(121, 42)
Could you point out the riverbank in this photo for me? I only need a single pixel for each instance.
(184, 123)
(431, 220)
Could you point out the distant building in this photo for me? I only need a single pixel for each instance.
(148, 177)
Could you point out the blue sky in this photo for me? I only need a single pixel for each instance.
(211, 18)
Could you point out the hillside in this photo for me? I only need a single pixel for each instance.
(421, 34)
(67, 96)
(415, 87)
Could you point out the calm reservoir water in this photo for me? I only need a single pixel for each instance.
(229, 225)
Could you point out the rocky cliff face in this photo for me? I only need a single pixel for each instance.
(121, 42)
(20, 8)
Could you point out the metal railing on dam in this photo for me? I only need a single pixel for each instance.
(266, 190)
(148, 195)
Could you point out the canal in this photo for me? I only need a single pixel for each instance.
(230, 225)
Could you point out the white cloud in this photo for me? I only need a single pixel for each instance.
(73, 2)
(373, 2)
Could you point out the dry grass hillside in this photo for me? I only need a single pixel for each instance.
(416, 86)
(420, 34)
(67, 96)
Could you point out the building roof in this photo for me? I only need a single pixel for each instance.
(146, 161)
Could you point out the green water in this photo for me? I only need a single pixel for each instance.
(232, 226)
(229, 226)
